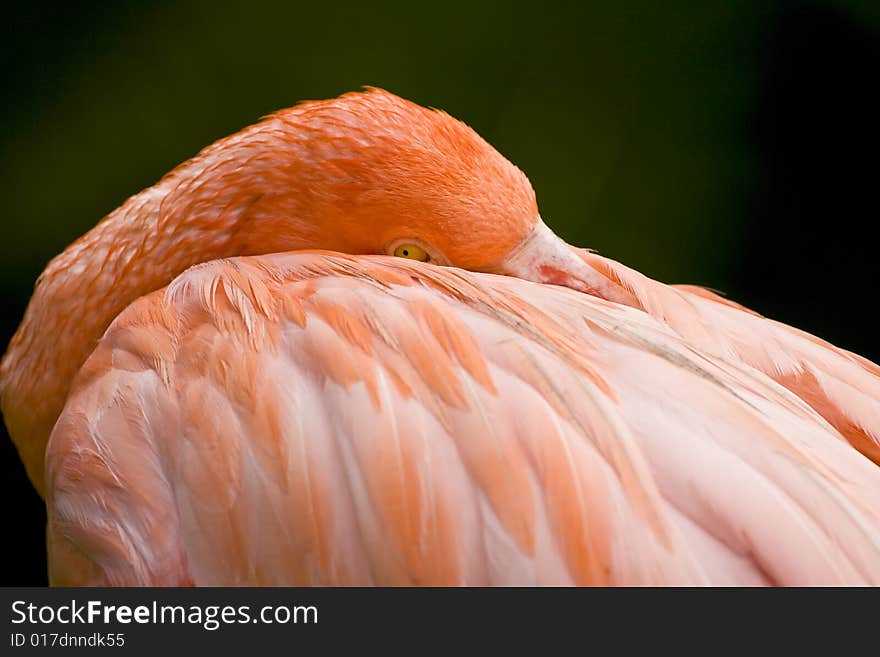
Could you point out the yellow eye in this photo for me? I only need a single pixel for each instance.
(412, 252)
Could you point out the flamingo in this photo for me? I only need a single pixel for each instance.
(342, 347)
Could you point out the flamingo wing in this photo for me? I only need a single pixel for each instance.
(316, 418)
(841, 386)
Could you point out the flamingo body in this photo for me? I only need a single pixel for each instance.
(314, 418)
(280, 414)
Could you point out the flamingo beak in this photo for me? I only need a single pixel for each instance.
(543, 257)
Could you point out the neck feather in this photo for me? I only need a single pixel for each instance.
(201, 211)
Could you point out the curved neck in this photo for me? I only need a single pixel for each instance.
(198, 212)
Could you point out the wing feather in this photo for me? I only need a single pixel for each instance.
(841, 386)
(315, 418)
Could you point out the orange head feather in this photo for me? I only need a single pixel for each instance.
(365, 171)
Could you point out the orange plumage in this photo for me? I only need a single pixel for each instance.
(301, 408)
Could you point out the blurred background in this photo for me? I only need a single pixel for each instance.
(729, 144)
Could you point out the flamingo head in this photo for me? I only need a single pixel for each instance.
(377, 174)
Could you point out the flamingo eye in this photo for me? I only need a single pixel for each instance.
(412, 252)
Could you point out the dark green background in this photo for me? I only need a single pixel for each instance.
(730, 144)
